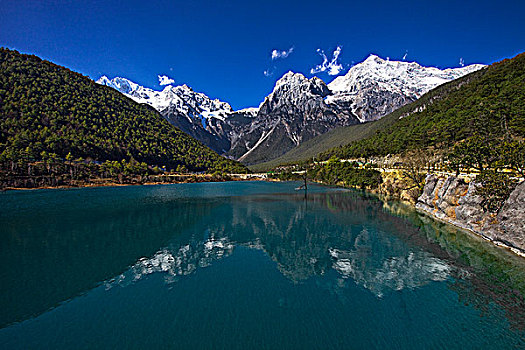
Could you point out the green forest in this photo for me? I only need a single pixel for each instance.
(335, 172)
(332, 172)
(52, 115)
(489, 104)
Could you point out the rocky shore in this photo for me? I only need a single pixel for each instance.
(453, 200)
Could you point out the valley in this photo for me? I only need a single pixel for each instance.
(262, 175)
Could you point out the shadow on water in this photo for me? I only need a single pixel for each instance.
(60, 246)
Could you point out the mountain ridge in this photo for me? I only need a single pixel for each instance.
(376, 87)
(368, 91)
(293, 112)
(487, 104)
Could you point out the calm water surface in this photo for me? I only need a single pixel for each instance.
(247, 265)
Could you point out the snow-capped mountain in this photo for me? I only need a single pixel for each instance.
(181, 97)
(210, 121)
(293, 112)
(377, 87)
(297, 109)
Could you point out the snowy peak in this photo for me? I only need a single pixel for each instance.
(376, 87)
(249, 111)
(103, 80)
(294, 112)
(290, 78)
(459, 72)
(121, 84)
(409, 77)
(374, 59)
(181, 99)
(287, 82)
(211, 121)
(295, 87)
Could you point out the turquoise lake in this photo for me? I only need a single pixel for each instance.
(247, 265)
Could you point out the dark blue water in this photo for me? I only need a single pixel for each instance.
(247, 265)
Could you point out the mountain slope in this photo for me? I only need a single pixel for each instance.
(211, 121)
(368, 91)
(489, 103)
(294, 112)
(376, 87)
(343, 136)
(46, 108)
(297, 110)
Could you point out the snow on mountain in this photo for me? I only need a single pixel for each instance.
(295, 111)
(376, 87)
(249, 111)
(296, 86)
(211, 121)
(181, 98)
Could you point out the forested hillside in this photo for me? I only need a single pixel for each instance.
(488, 104)
(49, 112)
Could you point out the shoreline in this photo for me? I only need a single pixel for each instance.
(469, 231)
(379, 196)
(116, 184)
(385, 197)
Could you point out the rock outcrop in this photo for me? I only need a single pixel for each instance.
(509, 226)
(294, 112)
(453, 200)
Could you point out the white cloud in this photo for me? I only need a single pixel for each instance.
(461, 62)
(268, 73)
(281, 54)
(331, 67)
(165, 80)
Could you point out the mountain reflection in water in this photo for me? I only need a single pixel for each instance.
(366, 263)
(381, 246)
(54, 251)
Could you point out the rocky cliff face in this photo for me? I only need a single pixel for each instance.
(214, 130)
(509, 226)
(294, 112)
(453, 200)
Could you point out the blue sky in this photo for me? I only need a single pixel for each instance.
(223, 48)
